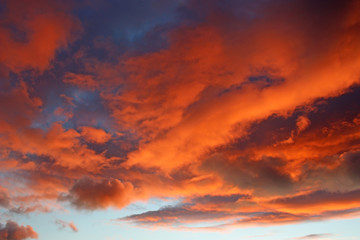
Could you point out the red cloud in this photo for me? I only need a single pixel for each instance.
(94, 135)
(46, 26)
(91, 194)
(188, 98)
(13, 231)
(81, 80)
(224, 117)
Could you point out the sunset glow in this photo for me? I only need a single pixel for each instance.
(179, 119)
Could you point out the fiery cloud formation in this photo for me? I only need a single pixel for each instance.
(245, 113)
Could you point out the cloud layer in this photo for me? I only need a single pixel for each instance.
(244, 112)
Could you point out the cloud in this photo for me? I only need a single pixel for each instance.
(204, 117)
(219, 199)
(186, 216)
(31, 37)
(232, 109)
(18, 106)
(90, 194)
(302, 123)
(81, 80)
(352, 163)
(64, 224)
(316, 236)
(320, 201)
(29, 209)
(176, 215)
(94, 135)
(4, 199)
(264, 176)
(12, 231)
(58, 143)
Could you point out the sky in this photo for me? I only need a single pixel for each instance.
(179, 119)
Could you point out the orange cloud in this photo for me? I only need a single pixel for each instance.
(13, 231)
(19, 108)
(42, 26)
(81, 80)
(60, 144)
(302, 123)
(230, 118)
(94, 135)
(209, 93)
(91, 194)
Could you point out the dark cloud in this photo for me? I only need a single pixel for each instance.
(177, 215)
(4, 199)
(320, 198)
(315, 236)
(91, 194)
(12, 231)
(220, 199)
(183, 215)
(352, 163)
(265, 175)
(278, 217)
(207, 208)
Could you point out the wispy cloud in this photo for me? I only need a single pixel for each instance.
(63, 224)
(316, 236)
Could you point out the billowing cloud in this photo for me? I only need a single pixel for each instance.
(12, 231)
(94, 135)
(90, 194)
(224, 91)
